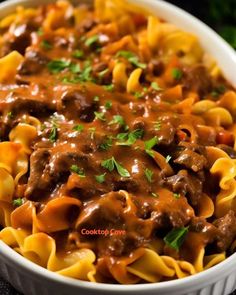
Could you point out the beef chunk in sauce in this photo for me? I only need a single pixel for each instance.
(75, 104)
(198, 79)
(186, 183)
(34, 63)
(227, 230)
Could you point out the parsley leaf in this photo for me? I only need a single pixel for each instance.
(168, 158)
(131, 137)
(100, 178)
(111, 164)
(96, 98)
(77, 170)
(117, 119)
(109, 87)
(106, 144)
(176, 196)
(132, 58)
(157, 125)
(92, 40)
(100, 116)
(177, 73)
(78, 54)
(46, 45)
(155, 86)
(78, 128)
(148, 174)
(149, 144)
(175, 237)
(92, 132)
(57, 65)
(108, 105)
(53, 133)
(17, 202)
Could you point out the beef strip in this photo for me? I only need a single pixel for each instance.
(186, 183)
(197, 79)
(33, 63)
(227, 230)
(75, 104)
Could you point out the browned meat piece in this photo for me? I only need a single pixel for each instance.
(86, 25)
(191, 160)
(197, 79)
(227, 230)
(34, 63)
(200, 225)
(155, 67)
(37, 187)
(76, 104)
(185, 183)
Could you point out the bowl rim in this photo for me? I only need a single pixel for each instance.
(204, 278)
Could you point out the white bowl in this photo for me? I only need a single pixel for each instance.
(32, 279)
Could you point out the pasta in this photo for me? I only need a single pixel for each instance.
(118, 145)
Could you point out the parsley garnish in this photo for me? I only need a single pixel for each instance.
(175, 238)
(10, 115)
(78, 54)
(132, 58)
(155, 86)
(79, 128)
(149, 144)
(17, 202)
(111, 164)
(218, 91)
(176, 196)
(53, 133)
(40, 32)
(177, 73)
(148, 174)
(102, 73)
(100, 178)
(100, 116)
(96, 98)
(155, 195)
(130, 137)
(106, 144)
(92, 40)
(117, 119)
(46, 45)
(109, 87)
(57, 65)
(168, 158)
(138, 94)
(77, 170)
(92, 131)
(108, 105)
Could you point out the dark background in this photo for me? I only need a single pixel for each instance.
(221, 16)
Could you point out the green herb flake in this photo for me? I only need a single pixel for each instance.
(102, 73)
(149, 174)
(168, 158)
(17, 202)
(217, 91)
(149, 144)
(100, 116)
(77, 170)
(175, 237)
(130, 137)
(176, 196)
(117, 119)
(40, 32)
(132, 58)
(79, 54)
(57, 65)
(10, 115)
(53, 133)
(106, 145)
(155, 195)
(109, 88)
(79, 128)
(46, 45)
(138, 94)
(92, 131)
(75, 68)
(96, 98)
(177, 73)
(111, 164)
(100, 178)
(155, 86)
(92, 40)
(108, 105)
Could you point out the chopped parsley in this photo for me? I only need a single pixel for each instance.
(168, 158)
(109, 87)
(155, 195)
(92, 132)
(75, 68)
(148, 174)
(10, 115)
(100, 178)
(155, 86)
(46, 45)
(127, 139)
(102, 73)
(132, 58)
(177, 73)
(77, 170)
(108, 105)
(149, 144)
(217, 91)
(78, 54)
(53, 133)
(100, 116)
(106, 145)
(79, 128)
(96, 98)
(40, 32)
(57, 65)
(92, 40)
(17, 202)
(138, 94)
(175, 237)
(117, 119)
(111, 164)
(176, 196)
